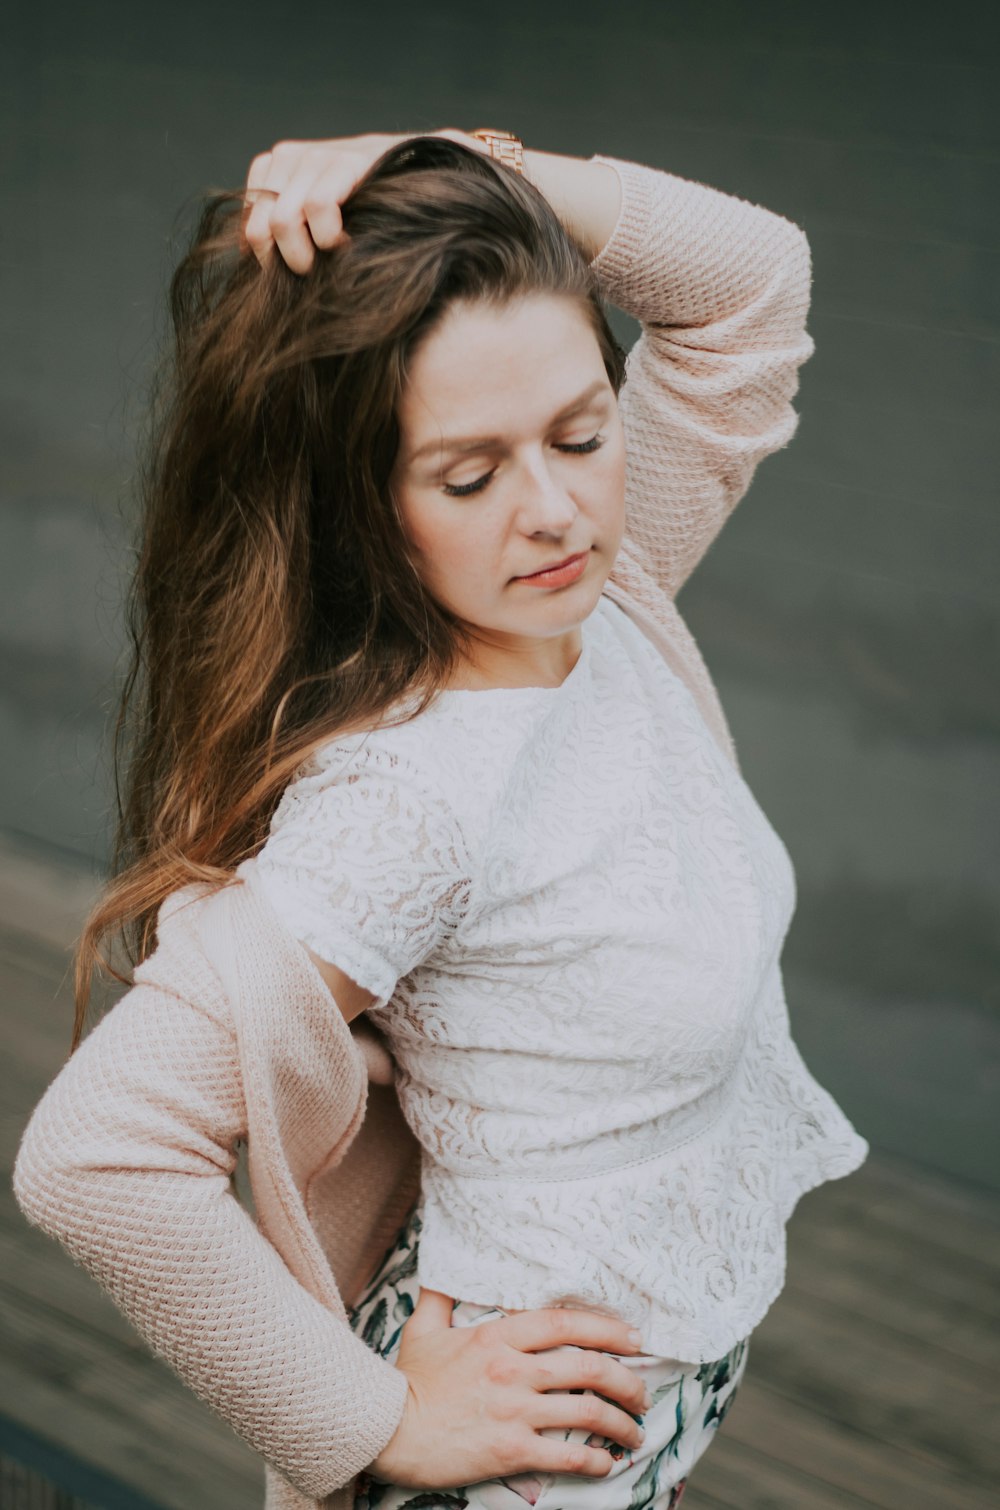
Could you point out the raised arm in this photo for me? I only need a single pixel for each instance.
(721, 288)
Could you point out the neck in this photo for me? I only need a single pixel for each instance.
(539, 663)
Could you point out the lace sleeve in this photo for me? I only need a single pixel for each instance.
(366, 864)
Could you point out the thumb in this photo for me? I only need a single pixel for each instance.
(431, 1313)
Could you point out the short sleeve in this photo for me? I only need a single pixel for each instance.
(366, 864)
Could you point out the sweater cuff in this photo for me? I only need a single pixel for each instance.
(615, 263)
(378, 1397)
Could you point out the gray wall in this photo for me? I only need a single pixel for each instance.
(849, 609)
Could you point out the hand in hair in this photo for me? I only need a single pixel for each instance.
(294, 192)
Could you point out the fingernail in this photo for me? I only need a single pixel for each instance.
(635, 1337)
(647, 1400)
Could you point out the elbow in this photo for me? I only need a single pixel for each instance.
(51, 1185)
(786, 296)
(781, 314)
(39, 1182)
(798, 274)
(786, 261)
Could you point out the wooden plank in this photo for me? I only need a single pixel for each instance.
(884, 1273)
(60, 1329)
(38, 1022)
(887, 1295)
(37, 1474)
(947, 1245)
(38, 1272)
(946, 1269)
(42, 900)
(155, 1461)
(125, 1416)
(937, 1216)
(736, 1475)
(854, 1464)
(901, 1392)
(69, 1355)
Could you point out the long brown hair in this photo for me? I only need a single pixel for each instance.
(275, 603)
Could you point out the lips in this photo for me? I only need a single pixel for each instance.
(555, 565)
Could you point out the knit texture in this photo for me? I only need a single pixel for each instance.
(229, 1032)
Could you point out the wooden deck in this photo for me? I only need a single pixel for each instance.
(873, 1381)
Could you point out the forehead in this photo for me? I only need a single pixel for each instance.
(523, 360)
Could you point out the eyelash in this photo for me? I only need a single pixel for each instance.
(455, 490)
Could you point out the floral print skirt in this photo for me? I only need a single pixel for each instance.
(690, 1402)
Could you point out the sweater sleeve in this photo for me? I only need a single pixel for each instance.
(721, 289)
(126, 1161)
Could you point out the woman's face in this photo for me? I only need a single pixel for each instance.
(495, 399)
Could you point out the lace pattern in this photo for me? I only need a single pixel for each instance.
(365, 862)
(591, 1038)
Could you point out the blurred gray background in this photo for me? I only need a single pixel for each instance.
(848, 611)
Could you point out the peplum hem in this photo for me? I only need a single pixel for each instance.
(698, 1255)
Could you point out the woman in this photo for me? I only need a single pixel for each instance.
(414, 676)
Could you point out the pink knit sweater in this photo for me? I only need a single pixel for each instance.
(229, 1033)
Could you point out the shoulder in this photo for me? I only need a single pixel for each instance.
(395, 770)
(366, 861)
(448, 765)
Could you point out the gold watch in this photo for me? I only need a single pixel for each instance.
(504, 146)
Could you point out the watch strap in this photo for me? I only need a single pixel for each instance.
(504, 146)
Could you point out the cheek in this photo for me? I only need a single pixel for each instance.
(425, 532)
(610, 484)
(619, 450)
(452, 550)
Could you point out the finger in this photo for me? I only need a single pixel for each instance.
(287, 219)
(258, 171)
(431, 1313)
(578, 1368)
(256, 225)
(588, 1413)
(269, 173)
(558, 1455)
(322, 203)
(559, 1326)
(257, 202)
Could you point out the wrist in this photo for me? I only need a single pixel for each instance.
(584, 194)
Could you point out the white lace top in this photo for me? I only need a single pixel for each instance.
(571, 910)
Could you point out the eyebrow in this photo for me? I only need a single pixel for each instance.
(484, 442)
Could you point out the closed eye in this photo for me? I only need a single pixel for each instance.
(461, 490)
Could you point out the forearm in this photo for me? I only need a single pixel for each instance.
(216, 1303)
(126, 1162)
(585, 195)
(673, 251)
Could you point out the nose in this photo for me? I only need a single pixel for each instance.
(546, 507)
